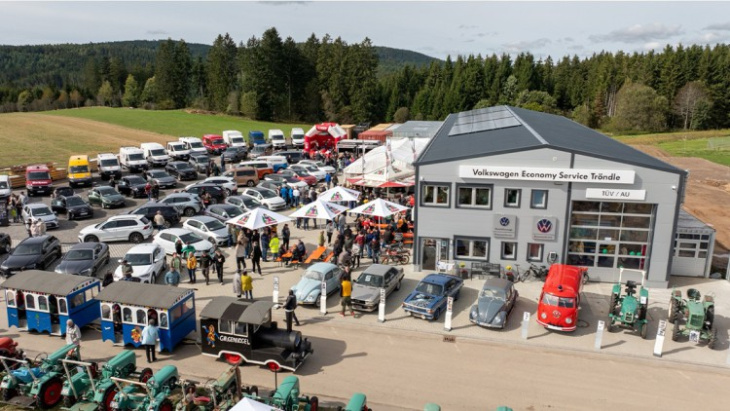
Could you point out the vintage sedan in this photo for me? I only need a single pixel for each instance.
(309, 289)
(429, 298)
(106, 197)
(74, 207)
(495, 303)
(366, 288)
(84, 259)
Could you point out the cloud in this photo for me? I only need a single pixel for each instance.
(568, 39)
(639, 33)
(157, 32)
(487, 34)
(652, 45)
(576, 47)
(283, 3)
(467, 27)
(519, 46)
(719, 26)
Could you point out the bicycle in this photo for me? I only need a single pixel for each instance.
(539, 272)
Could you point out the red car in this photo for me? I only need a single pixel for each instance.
(299, 175)
(560, 298)
(214, 143)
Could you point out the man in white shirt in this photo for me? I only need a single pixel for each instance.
(296, 193)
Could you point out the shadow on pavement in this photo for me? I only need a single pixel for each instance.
(331, 352)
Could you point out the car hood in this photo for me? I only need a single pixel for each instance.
(204, 245)
(365, 292)
(423, 300)
(305, 286)
(488, 308)
(74, 267)
(47, 218)
(21, 261)
(113, 198)
(273, 201)
(222, 232)
(166, 180)
(138, 271)
(79, 208)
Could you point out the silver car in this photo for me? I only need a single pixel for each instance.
(245, 202)
(366, 288)
(209, 228)
(186, 204)
(38, 210)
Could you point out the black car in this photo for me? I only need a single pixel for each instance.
(149, 210)
(223, 212)
(292, 156)
(74, 207)
(84, 259)
(33, 253)
(181, 170)
(161, 177)
(217, 193)
(234, 154)
(199, 162)
(65, 191)
(132, 186)
(5, 243)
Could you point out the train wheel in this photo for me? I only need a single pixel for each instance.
(50, 394)
(233, 359)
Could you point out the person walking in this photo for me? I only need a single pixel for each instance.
(159, 221)
(246, 285)
(264, 246)
(232, 234)
(192, 264)
(290, 196)
(328, 180)
(274, 247)
(289, 306)
(219, 259)
(375, 247)
(241, 253)
(150, 335)
(178, 246)
(330, 229)
(256, 257)
(356, 255)
(189, 248)
(282, 193)
(73, 336)
(285, 236)
(346, 292)
(320, 242)
(295, 194)
(172, 277)
(176, 262)
(204, 263)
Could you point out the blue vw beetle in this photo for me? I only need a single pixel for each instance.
(428, 300)
(309, 288)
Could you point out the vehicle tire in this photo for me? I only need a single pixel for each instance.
(405, 259)
(644, 328)
(318, 301)
(436, 315)
(314, 403)
(189, 212)
(50, 394)
(397, 286)
(586, 278)
(712, 344)
(228, 192)
(136, 238)
(69, 401)
(676, 332)
(166, 405)
(233, 359)
(179, 177)
(212, 240)
(250, 183)
(6, 248)
(91, 239)
(106, 402)
(167, 224)
(612, 303)
(672, 311)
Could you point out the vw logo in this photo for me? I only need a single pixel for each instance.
(504, 221)
(544, 225)
(556, 314)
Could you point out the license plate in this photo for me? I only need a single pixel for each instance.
(84, 213)
(694, 336)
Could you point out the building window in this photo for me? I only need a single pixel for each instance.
(474, 197)
(534, 252)
(471, 248)
(539, 199)
(509, 250)
(435, 195)
(512, 197)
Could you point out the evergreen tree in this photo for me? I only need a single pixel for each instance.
(131, 92)
(221, 72)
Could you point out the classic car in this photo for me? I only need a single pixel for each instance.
(84, 259)
(106, 197)
(74, 207)
(495, 303)
(429, 298)
(366, 288)
(309, 288)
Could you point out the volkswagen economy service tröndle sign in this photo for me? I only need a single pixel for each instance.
(548, 174)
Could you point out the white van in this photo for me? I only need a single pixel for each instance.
(277, 139)
(234, 138)
(5, 189)
(297, 137)
(276, 162)
(108, 165)
(193, 144)
(155, 154)
(132, 158)
(177, 150)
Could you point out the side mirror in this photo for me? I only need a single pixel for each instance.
(119, 261)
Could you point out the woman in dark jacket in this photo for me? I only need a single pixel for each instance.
(256, 257)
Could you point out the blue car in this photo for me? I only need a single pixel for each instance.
(428, 300)
(309, 289)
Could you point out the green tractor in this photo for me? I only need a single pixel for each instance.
(37, 383)
(699, 313)
(219, 394)
(152, 395)
(286, 397)
(629, 310)
(89, 389)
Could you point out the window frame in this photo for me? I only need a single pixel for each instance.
(504, 256)
(532, 199)
(471, 240)
(472, 206)
(435, 184)
(535, 259)
(519, 198)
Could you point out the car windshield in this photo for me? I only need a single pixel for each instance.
(136, 157)
(109, 163)
(214, 225)
(40, 211)
(138, 259)
(195, 144)
(303, 173)
(267, 194)
(495, 294)
(311, 168)
(237, 140)
(107, 191)
(3, 185)
(158, 152)
(74, 201)
(218, 142)
(232, 150)
(313, 275)
(319, 164)
(78, 255)
(555, 301)
(135, 180)
(27, 249)
(277, 137)
(78, 169)
(428, 288)
(157, 174)
(177, 147)
(370, 280)
(201, 159)
(250, 203)
(183, 166)
(39, 175)
(190, 238)
(233, 210)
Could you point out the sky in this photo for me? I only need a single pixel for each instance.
(434, 28)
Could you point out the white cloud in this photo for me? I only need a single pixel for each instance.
(719, 26)
(520, 46)
(639, 33)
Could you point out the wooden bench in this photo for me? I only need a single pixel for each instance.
(283, 257)
(316, 254)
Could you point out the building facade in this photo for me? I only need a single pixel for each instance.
(513, 186)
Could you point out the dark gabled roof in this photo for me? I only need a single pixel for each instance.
(46, 282)
(505, 129)
(145, 295)
(233, 309)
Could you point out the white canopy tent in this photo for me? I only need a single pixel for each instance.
(389, 162)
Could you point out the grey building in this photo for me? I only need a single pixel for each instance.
(513, 186)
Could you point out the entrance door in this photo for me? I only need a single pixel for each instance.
(433, 250)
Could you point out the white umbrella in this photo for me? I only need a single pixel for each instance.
(247, 404)
(379, 208)
(319, 209)
(338, 193)
(258, 218)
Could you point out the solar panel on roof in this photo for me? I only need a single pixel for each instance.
(493, 118)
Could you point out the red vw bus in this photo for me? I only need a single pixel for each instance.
(560, 298)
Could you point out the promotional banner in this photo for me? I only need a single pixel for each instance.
(548, 174)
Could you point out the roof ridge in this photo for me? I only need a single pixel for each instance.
(527, 126)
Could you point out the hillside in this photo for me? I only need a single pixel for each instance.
(27, 66)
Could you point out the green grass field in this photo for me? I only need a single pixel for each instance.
(173, 122)
(686, 144)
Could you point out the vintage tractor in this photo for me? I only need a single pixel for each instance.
(88, 389)
(9, 349)
(699, 313)
(150, 396)
(36, 383)
(358, 402)
(219, 394)
(286, 397)
(629, 310)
